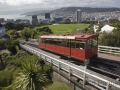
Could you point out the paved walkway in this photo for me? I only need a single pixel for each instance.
(109, 56)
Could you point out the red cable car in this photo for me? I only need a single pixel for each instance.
(78, 46)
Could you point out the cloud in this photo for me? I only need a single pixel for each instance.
(21, 6)
(57, 2)
(20, 2)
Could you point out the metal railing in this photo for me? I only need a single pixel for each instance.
(109, 50)
(74, 71)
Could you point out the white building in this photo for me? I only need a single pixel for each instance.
(107, 28)
(96, 28)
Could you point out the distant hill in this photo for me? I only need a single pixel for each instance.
(87, 9)
(68, 10)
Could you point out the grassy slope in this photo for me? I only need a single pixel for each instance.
(58, 86)
(66, 28)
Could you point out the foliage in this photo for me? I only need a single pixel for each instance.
(3, 43)
(31, 77)
(13, 34)
(6, 77)
(110, 39)
(27, 33)
(19, 26)
(89, 30)
(10, 25)
(44, 29)
(58, 86)
(40, 33)
(12, 46)
(26, 65)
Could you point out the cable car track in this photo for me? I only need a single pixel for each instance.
(100, 65)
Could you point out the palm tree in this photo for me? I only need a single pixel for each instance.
(31, 77)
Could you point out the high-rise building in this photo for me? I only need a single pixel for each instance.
(47, 15)
(34, 20)
(78, 15)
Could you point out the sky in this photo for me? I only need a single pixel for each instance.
(23, 6)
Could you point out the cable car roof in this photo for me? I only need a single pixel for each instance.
(70, 36)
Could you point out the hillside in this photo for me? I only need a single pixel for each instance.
(72, 10)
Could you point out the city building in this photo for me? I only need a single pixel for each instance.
(78, 15)
(34, 20)
(47, 15)
(2, 20)
(10, 20)
(18, 21)
(45, 21)
(2, 31)
(58, 19)
(25, 21)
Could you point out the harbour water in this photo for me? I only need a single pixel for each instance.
(18, 16)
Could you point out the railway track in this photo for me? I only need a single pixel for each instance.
(110, 68)
(100, 65)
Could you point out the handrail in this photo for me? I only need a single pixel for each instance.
(109, 50)
(90, 78)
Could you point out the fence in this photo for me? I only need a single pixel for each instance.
(109, 50)
(74, 71)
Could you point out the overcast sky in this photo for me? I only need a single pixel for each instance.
(22, 6)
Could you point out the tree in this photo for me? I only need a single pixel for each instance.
(19, 26)
(31, 77)
(13, 34)
(27, 33)
(10, 25)
(12, 46)
(44, 29)
(89, 29)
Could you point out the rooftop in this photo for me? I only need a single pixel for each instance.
(71, 36)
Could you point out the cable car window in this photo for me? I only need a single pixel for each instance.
(72, 43)
(47, 41)
(40, 39)
(43, 40)
(89, 44)
(55, 42)
(67, 43)
(50, 41)
(95, 42)
(80, 44)
(61, 42)
(92, 42)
